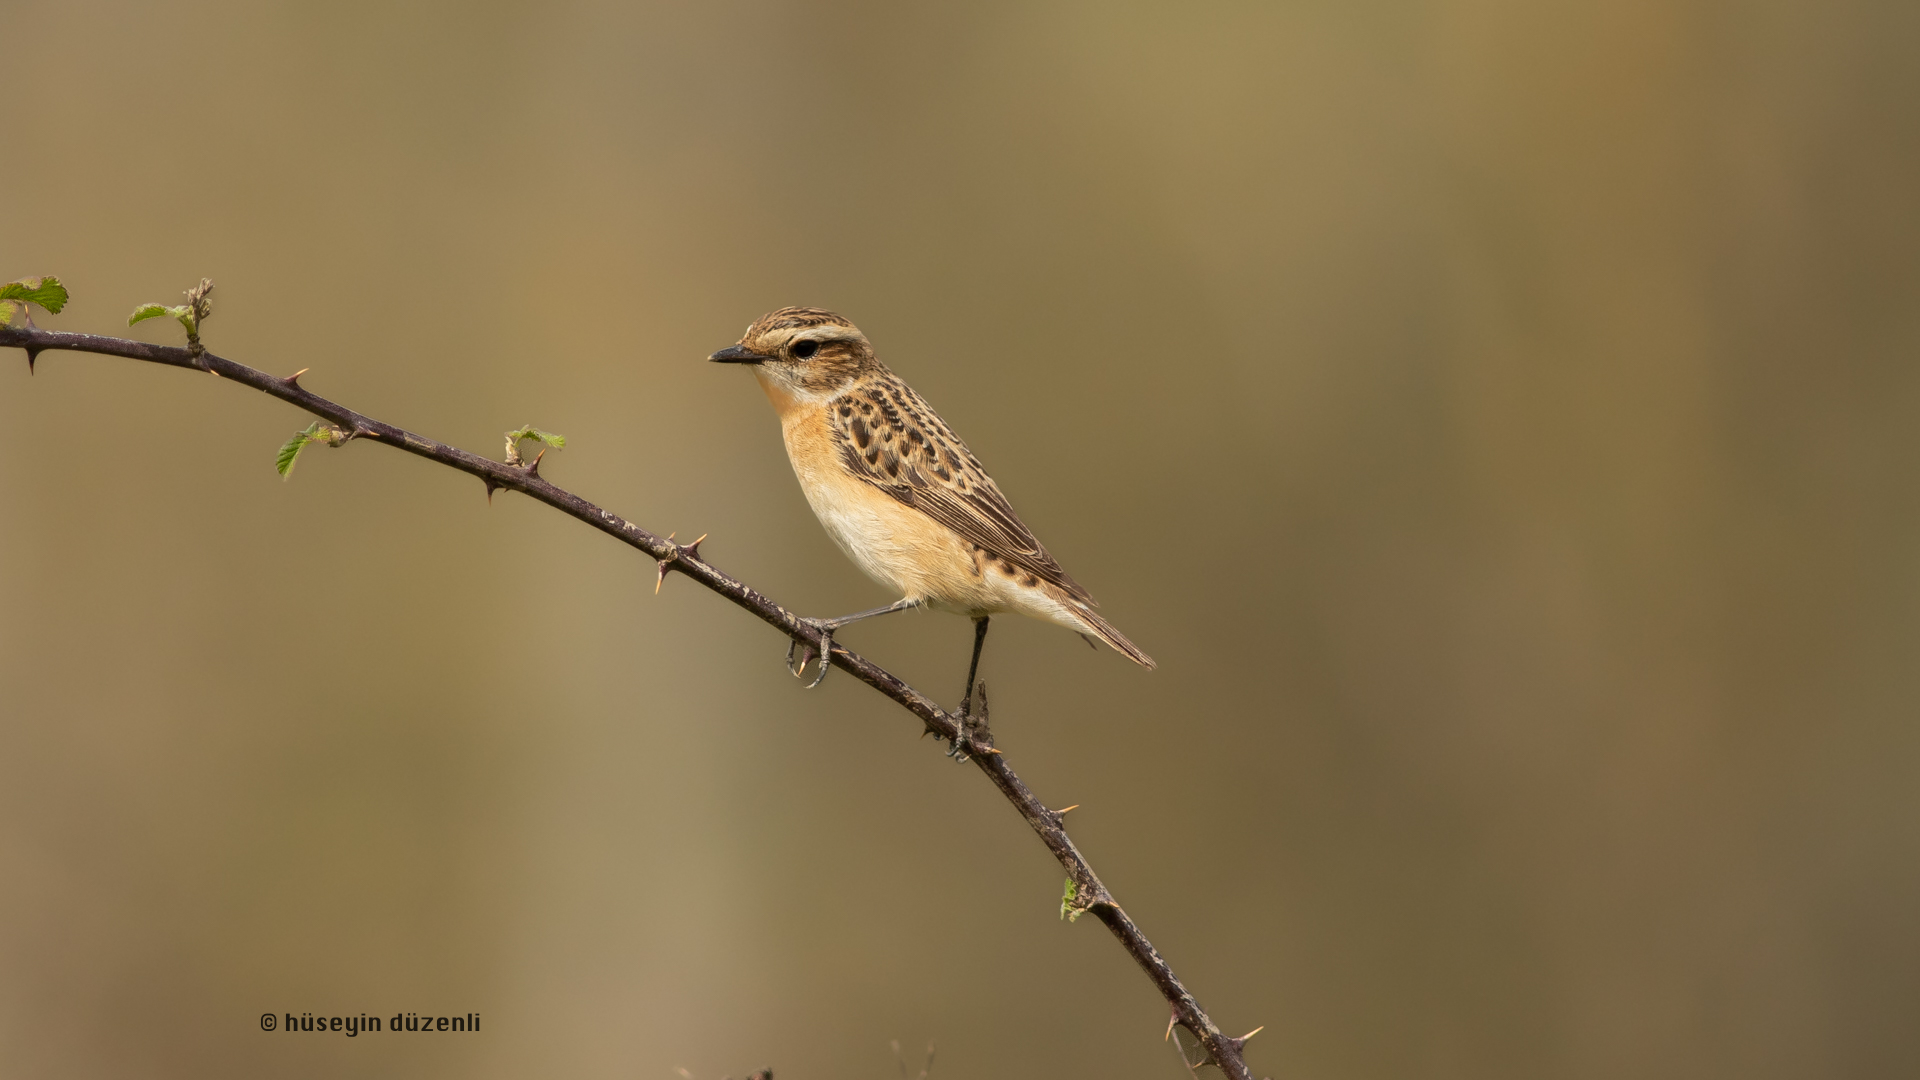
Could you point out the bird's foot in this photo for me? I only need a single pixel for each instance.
(974, 737)
(821, 649)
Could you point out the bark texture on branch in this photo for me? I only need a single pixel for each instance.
(968, 734)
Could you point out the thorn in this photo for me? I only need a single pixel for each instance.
(662, 564)
(534, 469)
(491, 485)
(1171, 1020)
(693, 549)
(1242, 1040)
(32, 355)
(986, 750)
(294, 379)
(1063, 813)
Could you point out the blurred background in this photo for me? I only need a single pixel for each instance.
(1497, 419)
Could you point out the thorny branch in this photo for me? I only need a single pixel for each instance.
(968, 734)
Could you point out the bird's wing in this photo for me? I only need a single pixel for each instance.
(890, 438)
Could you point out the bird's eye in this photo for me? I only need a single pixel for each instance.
(805, 349)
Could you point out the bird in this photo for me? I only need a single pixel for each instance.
(899, 492)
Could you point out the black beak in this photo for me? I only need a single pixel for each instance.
(738, 354)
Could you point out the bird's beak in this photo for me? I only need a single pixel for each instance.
(738, 354)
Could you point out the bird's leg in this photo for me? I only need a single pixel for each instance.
(825, 628)
(979, 639)
(963, 744)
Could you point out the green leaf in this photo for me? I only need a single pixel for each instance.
(183, 312)
(45, 291)
(289, 453)
(1067, 910)
(316, 432)
(558, 442)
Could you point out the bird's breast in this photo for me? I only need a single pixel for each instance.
(893, 543)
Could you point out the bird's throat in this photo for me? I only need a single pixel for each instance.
(789, 401)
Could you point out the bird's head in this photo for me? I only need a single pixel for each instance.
(801, 354)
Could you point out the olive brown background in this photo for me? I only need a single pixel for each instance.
(1496, 417)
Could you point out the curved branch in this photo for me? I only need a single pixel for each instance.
(966, 733)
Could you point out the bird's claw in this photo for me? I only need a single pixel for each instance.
(974, 737)
(964, 747)
(809, 652)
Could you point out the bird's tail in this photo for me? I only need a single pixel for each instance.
(1104, 630)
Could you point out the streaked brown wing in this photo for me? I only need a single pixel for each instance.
(890, 438)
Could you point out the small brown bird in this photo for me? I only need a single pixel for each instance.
(898, 490)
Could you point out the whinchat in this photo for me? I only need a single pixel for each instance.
(898, 490)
